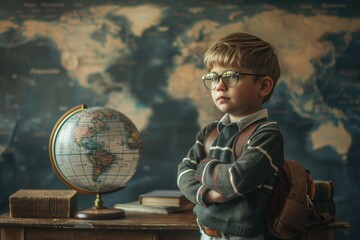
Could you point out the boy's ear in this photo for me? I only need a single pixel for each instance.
(266, 87)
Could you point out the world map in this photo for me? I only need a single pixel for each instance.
(145, 59)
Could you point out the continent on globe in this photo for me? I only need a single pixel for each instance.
(101, 160)
(90, 124)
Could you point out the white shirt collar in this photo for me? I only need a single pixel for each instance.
(245, 121)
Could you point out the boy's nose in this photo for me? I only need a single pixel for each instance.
(220, 86)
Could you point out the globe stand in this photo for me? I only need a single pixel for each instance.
(99, 212)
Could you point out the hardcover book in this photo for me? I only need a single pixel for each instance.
(324, 190)
(26, 203)
(168, 198)
(322, 207)
(135, 207)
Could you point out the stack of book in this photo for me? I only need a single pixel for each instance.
(323, 204)
(158, 202)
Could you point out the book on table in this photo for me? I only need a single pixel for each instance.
(168, 198)
(136, 207)
(323, 205)
(159, 202)
(44, 203)
(324, 190)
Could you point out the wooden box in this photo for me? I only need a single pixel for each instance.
(29, 203)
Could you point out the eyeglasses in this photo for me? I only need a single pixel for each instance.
(230, 78)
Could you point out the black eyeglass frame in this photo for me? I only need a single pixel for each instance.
(238, 74)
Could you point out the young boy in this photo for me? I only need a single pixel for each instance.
(243, 71)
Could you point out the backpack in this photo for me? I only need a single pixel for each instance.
(287, 209)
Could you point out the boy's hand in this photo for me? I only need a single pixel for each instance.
(215, 197)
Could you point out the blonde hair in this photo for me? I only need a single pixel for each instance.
(245, 50)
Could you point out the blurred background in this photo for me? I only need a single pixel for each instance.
(145, 59)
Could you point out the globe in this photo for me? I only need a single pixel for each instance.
(95, 150)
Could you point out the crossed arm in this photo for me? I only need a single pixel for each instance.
(205, 180)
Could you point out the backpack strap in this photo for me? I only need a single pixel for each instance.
(210, 139)
(239, 142)
(242, 138)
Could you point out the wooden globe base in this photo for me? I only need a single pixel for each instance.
(99, 212)
(102, 213)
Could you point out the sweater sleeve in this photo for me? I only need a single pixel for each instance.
(187, 182)
(261, 158)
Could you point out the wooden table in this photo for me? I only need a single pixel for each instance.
(133, 226)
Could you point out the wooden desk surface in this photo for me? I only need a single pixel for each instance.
(131, 221)
(133, 226)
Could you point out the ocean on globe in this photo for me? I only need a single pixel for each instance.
(95, 150)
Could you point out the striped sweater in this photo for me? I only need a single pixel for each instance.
(239, 180)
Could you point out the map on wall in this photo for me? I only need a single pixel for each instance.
(144, 59)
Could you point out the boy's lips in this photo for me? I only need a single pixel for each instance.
(222, 98)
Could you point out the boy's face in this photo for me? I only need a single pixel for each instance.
(239, 101)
